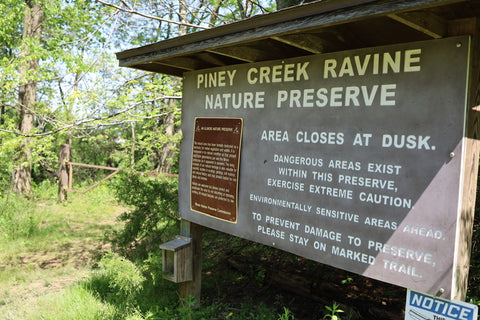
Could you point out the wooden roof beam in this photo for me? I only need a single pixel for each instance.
(309, 43)
(426, 22)
(243, 53)
(215, 59)
(185, 63)
(160, 68)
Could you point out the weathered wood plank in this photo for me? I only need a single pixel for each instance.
(63, 173)
(177, 259)
(193, 288)
(471, 158)
(215, 60)
(185, 63)
(310, 43)
(160, 68)
(426, 22)
(243, 53)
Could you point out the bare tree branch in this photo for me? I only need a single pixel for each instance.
(126, 4)
(149, 16)
(77, 124)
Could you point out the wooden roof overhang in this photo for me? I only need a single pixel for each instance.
(318, 27)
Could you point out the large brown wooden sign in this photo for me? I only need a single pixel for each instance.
(351, 159)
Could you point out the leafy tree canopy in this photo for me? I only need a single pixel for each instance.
(82, 94)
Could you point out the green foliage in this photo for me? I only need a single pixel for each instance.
(7, 152)
(67, 31)
(117, 280)
(287, 315)
(44, 158)
(152, 267)
(333, 311)
(17, 218)
(75, 303)
(189, 310)
(258, 311)
(10, 28)
(82, 94)
(153, 217)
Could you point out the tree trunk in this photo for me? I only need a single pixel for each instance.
(32, 29)
(2, 114)
(182, 29)
(168, 152)
(63, 175)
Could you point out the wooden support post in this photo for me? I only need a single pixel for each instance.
(63, 174)
(193, 288)
(471, 27)
(70, 176)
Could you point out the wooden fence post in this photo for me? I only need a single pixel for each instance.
(63, 173)
(470, 26)
(193, 288)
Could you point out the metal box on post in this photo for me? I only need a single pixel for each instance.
(177, 259)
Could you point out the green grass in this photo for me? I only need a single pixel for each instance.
(71, 303)
(55, 265)
(47, 247)
(75, 302)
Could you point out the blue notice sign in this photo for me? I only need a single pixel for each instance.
(421, 306)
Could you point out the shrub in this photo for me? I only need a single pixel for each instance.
(153, 218)
(117, 280)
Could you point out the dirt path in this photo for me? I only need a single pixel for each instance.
(47, 264)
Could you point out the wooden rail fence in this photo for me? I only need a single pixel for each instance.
(65, 181)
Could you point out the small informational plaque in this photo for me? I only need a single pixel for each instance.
(215, 162)
(420, 306)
